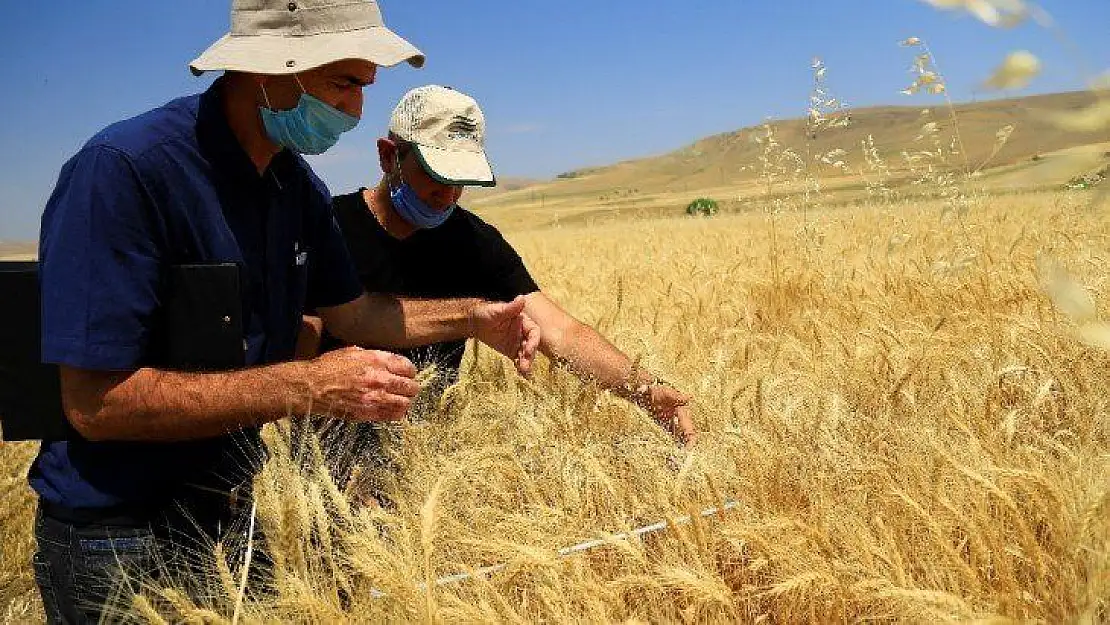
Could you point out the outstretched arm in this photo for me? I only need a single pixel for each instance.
(390, 321)
(588, 354)
(157, 405)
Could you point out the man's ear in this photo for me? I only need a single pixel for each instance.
(387, 149)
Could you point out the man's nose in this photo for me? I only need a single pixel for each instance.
(446, 195)
(455, 193)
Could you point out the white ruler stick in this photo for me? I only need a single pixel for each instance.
(571, 550)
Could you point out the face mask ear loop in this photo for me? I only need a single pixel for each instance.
(265, 97)
(396, 176)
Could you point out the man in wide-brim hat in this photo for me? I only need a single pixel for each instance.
(163, 459)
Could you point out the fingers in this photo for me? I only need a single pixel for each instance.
(684, 429)
(389, 383)
(395, 363)
(400, 365)
(388, 371)
(382, 396)
(667, 398)
(514, 307)
(375, 408)
(382, 406)
(507, 329)
(532, 336)
(686, 433)
(501, 312)
(386, 395)
(530, 341)
(678, 422)
(366, 385)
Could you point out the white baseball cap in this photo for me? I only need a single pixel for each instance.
(448, 131)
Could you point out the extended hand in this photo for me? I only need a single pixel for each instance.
(683, 426)
(669, 407)
(505, 327)
(362, 384)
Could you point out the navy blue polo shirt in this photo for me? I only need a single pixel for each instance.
(174, 186)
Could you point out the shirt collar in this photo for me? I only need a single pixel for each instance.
(219, 144)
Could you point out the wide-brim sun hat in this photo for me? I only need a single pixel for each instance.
(272, 37)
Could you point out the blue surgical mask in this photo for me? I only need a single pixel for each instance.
(413, 209)
(312, 127)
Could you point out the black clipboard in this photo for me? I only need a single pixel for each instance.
(30, 396)
(200, 328)
(203, 312)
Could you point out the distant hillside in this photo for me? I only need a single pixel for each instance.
(18, 250)
(503, 185)
(731, 159)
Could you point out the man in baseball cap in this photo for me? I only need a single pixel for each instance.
(409, 236)
(162, 458)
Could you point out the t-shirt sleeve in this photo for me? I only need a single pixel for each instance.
(505, 267)
(101, 253)
(332, 279)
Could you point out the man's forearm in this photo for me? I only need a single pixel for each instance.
(391, 322)
(590, 355)
(156, 405)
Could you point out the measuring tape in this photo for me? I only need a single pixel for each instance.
(571, 550)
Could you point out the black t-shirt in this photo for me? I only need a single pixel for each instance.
(463, 257)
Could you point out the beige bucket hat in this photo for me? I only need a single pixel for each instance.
(448, 131)
(289, 36)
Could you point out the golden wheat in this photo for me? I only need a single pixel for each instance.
(905, 439)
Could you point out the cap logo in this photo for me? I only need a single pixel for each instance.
(462, 128)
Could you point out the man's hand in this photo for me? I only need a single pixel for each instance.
(683, 426)
(670, 409)
(362, 385)
(505, 327)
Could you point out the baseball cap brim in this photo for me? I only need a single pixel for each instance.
(456, 167)
(288, 54)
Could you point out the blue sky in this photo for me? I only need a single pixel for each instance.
(563, 85)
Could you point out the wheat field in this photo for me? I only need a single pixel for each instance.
(904, 426)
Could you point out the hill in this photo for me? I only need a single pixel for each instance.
(727, 164)
(17, 250)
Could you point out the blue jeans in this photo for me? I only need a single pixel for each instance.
(89, 571)
(78, 568)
